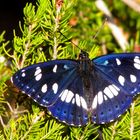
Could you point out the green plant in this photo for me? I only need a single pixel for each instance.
(42, 40)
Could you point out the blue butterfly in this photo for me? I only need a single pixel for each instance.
(83, 90)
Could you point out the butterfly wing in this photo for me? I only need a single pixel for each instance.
(117, 81)
(58, 86)
(55, 85)
(109, 102)
(71, 107)
(123, 69)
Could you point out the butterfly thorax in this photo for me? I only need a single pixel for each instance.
(85, 69)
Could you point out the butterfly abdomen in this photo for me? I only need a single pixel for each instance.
(85, 68)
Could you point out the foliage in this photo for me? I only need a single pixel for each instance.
(47, 32)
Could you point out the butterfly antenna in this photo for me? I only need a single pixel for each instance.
(100, 29)
(93, 37)
(71, 41)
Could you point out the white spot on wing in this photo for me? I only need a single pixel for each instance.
(23, 74)
(37, 68)
(100, 97)
(73, 101)
(69, 97)
(44, 88)
(55, 88)
(116, 87)
(33, 90)
(83, 102)
(105, 97)
(66, 67)
(133, 78)
(23, 70)
(121, 80)
(137, 62)
(94, 103)
(137, 66)
(63, 95)
(137, 59)
(113, 90)
(106, 62)
(44, 101)
(38, 71)
(108, 93)
(77, 97)
(38, 77)
(55, 68)
(118, 61)
(38, 96)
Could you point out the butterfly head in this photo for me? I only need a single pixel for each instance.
(83, 56)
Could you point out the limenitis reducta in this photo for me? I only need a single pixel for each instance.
(78, 91)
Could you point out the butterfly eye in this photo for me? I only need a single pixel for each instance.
(79, 91)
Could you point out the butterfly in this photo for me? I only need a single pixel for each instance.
(83, 90)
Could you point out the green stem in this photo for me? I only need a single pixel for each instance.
(27, 45)
(132, 120)
(55, 35)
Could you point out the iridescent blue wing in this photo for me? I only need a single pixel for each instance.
(78, 91)
(117, 81)
(71, 107)
(57, 86)
(123, 69)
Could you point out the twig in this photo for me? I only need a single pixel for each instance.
(58, 8)
(117, 33)
(27, 45)
(2, 123)
(132, 120)
(34, 121)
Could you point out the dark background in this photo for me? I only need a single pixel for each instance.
(11, 12)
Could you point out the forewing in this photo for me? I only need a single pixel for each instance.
(122, 69)
(57, 86)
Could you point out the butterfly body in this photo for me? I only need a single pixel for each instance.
(83, 90)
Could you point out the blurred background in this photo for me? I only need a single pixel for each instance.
(87, 18)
